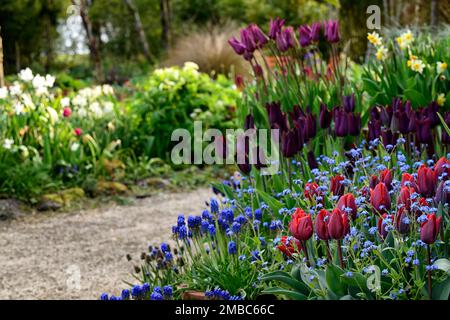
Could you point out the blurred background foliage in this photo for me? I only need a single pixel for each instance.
(132, 36)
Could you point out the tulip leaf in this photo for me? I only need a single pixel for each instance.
(441, 291)
(346, 297)
(226, 190)
(288, 293)
(335, 281)
(285, 278)
(444, 125)
(273, 203)
(443, 264)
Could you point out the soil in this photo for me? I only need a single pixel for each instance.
(79, 255)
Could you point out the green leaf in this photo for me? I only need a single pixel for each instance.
(273, 203)
(335, 281)
(441, 291)
(288, 293)
(443, 264)
(226, 190)
(417, 99)
(285, 278)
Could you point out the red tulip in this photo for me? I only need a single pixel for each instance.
(382, 226)
(422, 203)
(348, 201)
(321, 224)
(373, 182)
(408, 181)
(429, 229)
(426, 181)
(67, 112)
(311, 190)
(289, 245)
(78, 132)
(301, 225)
(338, 225)
(400, 224)
(336, 186)
(442, 166)
(380, 198)
(405, 197)
(386, 178)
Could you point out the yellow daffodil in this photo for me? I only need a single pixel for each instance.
(441, 67)
(440, 99)
(381, 53)
(411, 59)
(417, 66)
(374, 38)
(405, 39)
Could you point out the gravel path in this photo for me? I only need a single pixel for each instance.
(80, 255)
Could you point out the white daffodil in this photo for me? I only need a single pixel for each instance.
(52, 115)
(8, 143)
(65, 102)
(3, 92)
(381, 53)
(417, 65)
(375, 39)
(15, 89)
(49, 81)
(26, 75)
(441, 67)
(38, 81)
(19, 108)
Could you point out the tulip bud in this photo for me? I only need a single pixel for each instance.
(349, 103)
(383, 223)
(321, 224)
(443, 193)
(305, 35)
(312, 162)
(259, 37)
(338, 225)
(332, 31)
(408, 181)
(249, 122)
(315, 31)
(347, 204)
(285, 39)
(426, 181)
(237, 46)
(311, 190)
(289, 143)
(442, 169)
(402, 221)
(429, 229)
(404, 199)
(289, 246)
(380, 198)
(336, 186)
(373, 182)
(325, 117)
(78, 132)
(301, 225)
(67, 112)
(386, 178)
(275, 28)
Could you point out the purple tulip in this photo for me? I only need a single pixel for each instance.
(248, 40)
(315, 31)
(285, 39)
(249, 122)
(388, 137)
(349, 103)
(237, 46)
(311, 126)
(275, 28)
(325, 117)
(354, 124)
(259, 36)
(424, 131)
(305, 35)
(340, 122)
(374, 129)
(332, 31)
(276, 117)
(312, 162)
(289, 143)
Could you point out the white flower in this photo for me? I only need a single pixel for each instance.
(82, 113)
(107, 89)
(65, 102)
(441, 67)
(28, 101)
(53, 115)
(74, 147)
(108, 107)
(24, 151)
(417, 65)
(3, 92)
(381, 53)
(49, 80)
(374, 38)
(26, 75)
(8, 143)
(191, 65)
(15, 89)
(19, 108)
(38, 81)
(96, 110)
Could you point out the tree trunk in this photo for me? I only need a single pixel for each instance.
(2, 72)
(164, 24)
(434, 13)
(140, 29)
(17, 49)
(92, 40)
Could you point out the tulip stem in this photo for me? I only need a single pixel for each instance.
(430, 287)
(289, 173)
(305, 250)
(327, 244)
(341, 260)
